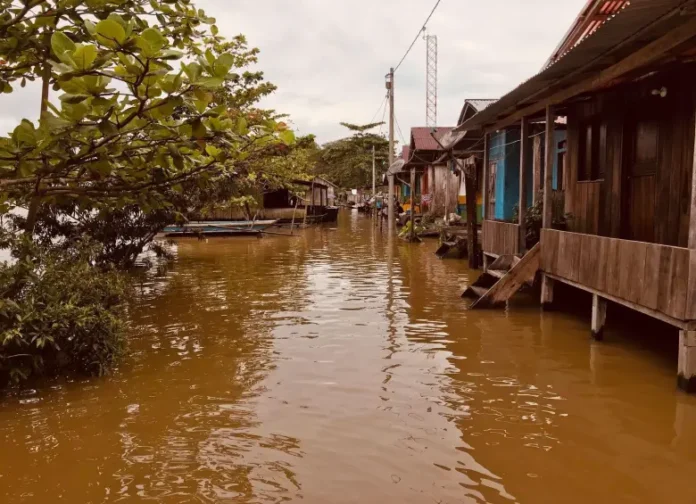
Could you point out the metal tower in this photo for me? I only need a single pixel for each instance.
(431, 81)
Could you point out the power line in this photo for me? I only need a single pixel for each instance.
(417, 35)
(384, 114)
(403, 141)
(382, 105)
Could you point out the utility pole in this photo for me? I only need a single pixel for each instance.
(374, 185)
(390, 89)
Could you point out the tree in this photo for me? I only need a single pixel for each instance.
(131, 129)
(155, 117)
(348, 162)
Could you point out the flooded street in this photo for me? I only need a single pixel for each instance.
(342, 367)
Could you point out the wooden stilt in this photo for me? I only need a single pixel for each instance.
(687, 361)
(546, 292)
(522, 212)
(599, 317)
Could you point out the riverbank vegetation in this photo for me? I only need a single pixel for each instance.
(148, 116)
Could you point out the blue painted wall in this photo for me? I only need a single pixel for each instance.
(504, 149)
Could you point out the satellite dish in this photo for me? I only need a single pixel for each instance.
(396, 167)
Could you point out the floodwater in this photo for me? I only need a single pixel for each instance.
(341, 367)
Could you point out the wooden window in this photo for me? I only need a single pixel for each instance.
(590, 166)
(645, 148)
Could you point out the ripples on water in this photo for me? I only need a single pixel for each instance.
(337, 366)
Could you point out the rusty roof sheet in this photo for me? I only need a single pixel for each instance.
(421, 138)
(647, 20)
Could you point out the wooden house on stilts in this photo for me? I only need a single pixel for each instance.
(614, 110)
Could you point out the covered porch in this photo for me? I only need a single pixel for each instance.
(625, 176)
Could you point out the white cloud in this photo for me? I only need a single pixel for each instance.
(329, 57)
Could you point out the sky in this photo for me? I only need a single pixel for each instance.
(329, 57)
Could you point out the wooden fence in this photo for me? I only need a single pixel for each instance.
(500, 238)
(657, 277)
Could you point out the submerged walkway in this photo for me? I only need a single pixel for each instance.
(339, 367)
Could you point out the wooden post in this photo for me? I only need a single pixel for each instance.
(470, 184)
(692, 218)
(548, 168)
(486, 167)
(687, 361)
(536, 187)
(524, 150)
(547, 285)
(599, 317)
(486, 162)
(292, 225)
(413, 208)
(447, 190)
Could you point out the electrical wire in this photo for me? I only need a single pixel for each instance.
(382, 105)
(417, 35)
(398, 128)
(384, 114)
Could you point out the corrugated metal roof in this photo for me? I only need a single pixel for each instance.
(405, 152)
(480, 105)
(421, 138)
(591, 18)
(647, 20)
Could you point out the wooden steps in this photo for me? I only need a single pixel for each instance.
(504, 278)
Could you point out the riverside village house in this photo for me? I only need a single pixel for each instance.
(611, 115)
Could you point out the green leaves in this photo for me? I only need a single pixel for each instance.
(151, 41)
(110, 33)
(62, 47)
(287, 137)
(84, 56)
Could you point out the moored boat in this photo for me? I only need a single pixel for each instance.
(219, 228)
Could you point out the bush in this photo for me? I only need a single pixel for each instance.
(59, 313)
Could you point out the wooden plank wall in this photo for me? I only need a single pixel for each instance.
(597, 206)
(500, 238)
(659, 277)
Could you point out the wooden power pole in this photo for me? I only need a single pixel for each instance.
(390, 89)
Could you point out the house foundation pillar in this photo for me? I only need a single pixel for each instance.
(547, 285)
(687, 361)
(599, 317)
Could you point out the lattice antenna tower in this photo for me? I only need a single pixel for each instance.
(431, 80)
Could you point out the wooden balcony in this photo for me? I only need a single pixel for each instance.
(658, 280)
(500, 238)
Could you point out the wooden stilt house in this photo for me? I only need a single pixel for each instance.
(626, 171)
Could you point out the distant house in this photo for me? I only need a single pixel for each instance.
(437, 185)
(466, 148)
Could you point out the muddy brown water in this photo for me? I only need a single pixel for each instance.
(342, 367)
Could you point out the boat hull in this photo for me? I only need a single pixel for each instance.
(219, 228)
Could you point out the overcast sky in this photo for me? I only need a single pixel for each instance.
(329, 57)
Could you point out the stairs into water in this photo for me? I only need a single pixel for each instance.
(505, 276)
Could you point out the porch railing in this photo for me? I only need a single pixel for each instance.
(658, 277)
(500, 238)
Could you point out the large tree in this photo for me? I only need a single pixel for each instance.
(348, 162)
(154, 108)
(153, 116)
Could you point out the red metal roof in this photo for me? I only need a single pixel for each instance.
(591, 18)
(421, 138)
(405, 152)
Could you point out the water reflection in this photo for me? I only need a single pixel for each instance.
(341, 366)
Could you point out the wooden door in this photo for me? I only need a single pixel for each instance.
(640, 169)
(492, 176)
